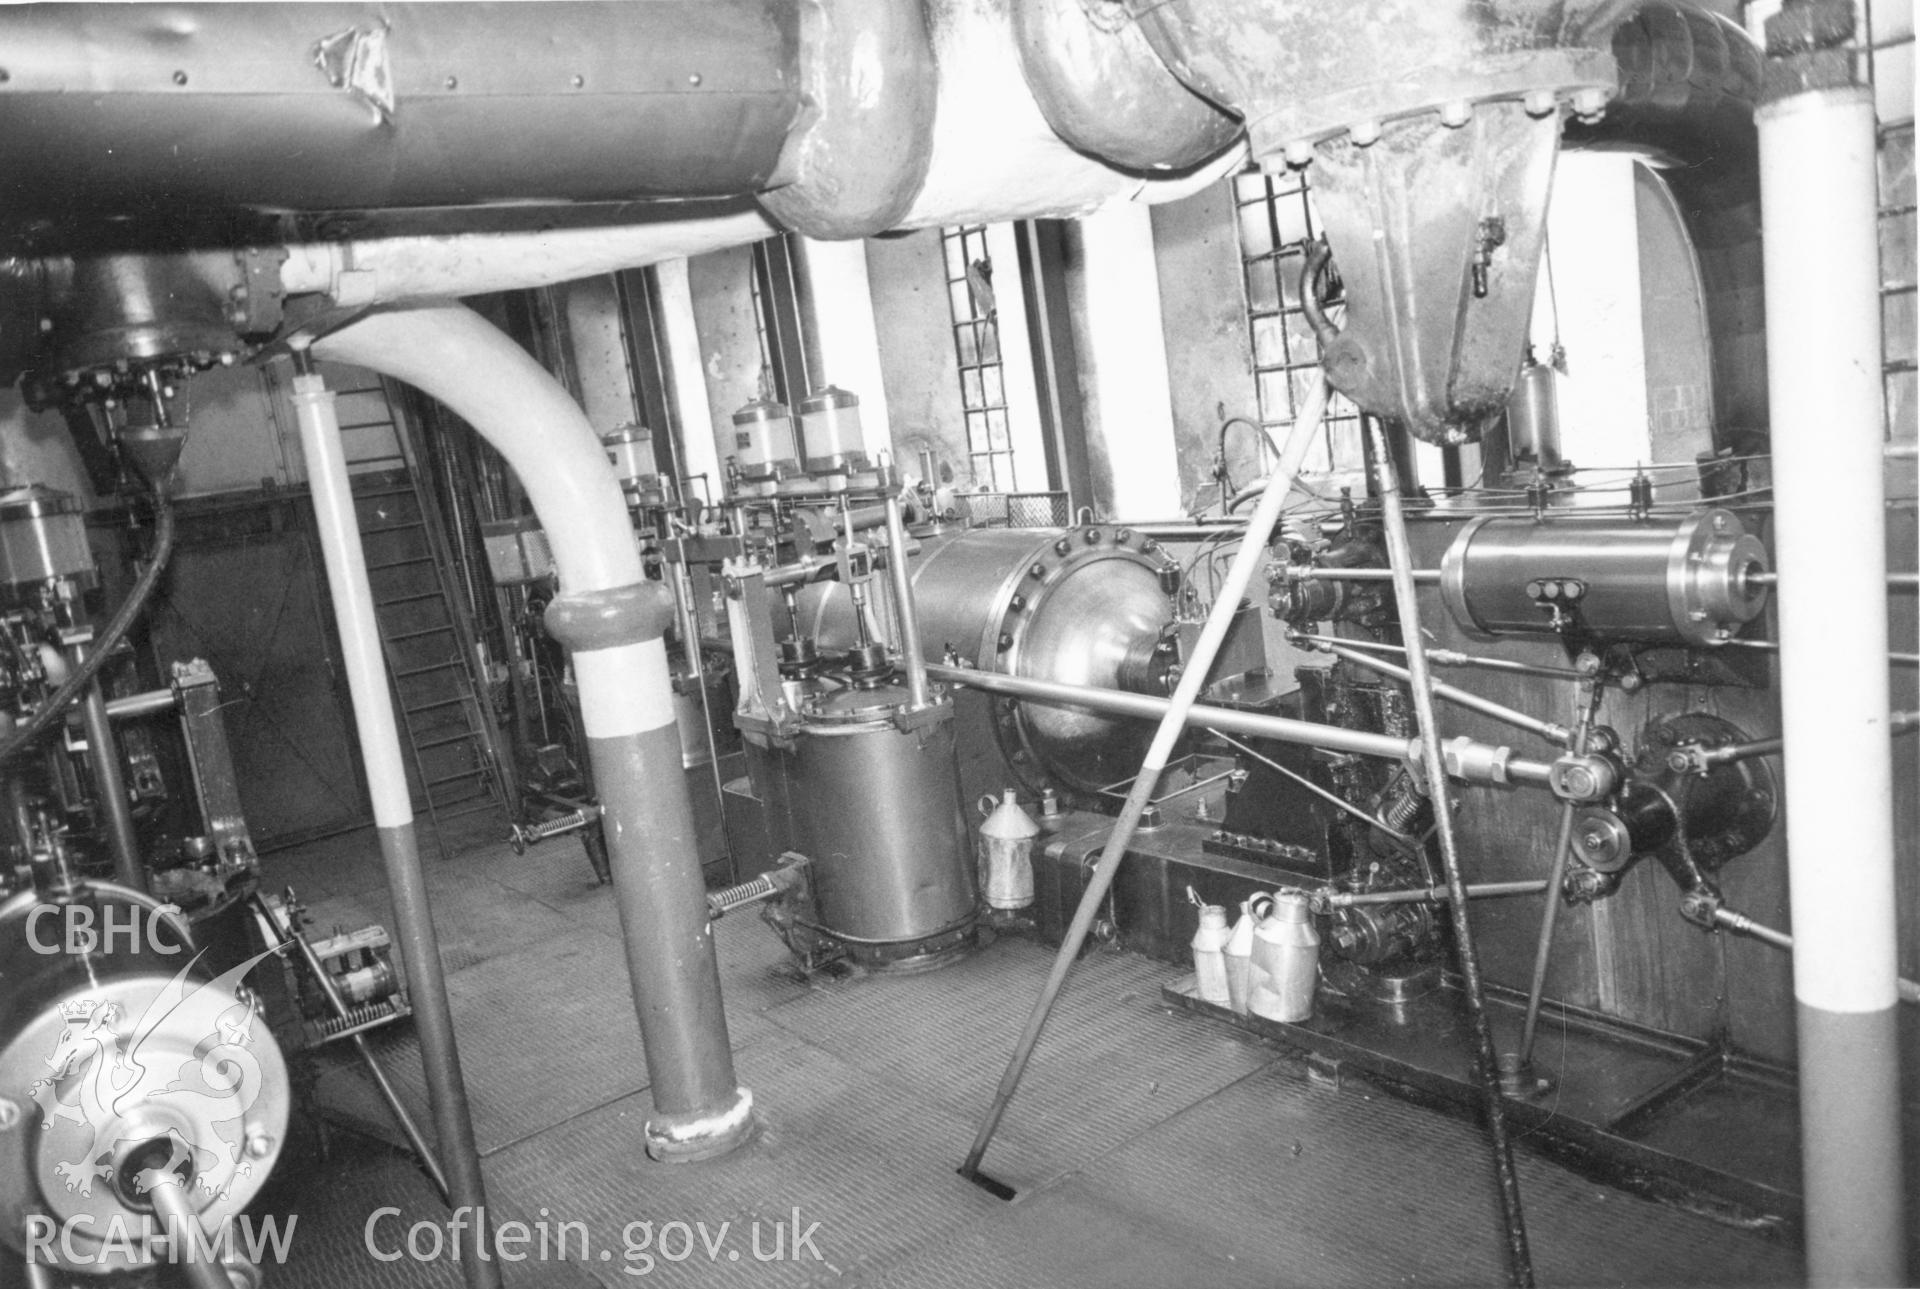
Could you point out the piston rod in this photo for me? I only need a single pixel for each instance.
(1432, 894)
(1281, 729)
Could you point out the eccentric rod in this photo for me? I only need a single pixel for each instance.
(1547, 730)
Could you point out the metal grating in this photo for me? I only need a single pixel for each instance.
(1149, 1149)
(1016, 509)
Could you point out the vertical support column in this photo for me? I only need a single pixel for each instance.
(1818, 201)
(698, 454)
(353, 612)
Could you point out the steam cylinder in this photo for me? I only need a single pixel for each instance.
(1079, 605)
(43, 535)
(877, 809)
(1687, 581)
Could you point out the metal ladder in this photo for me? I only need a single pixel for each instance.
(431, 655)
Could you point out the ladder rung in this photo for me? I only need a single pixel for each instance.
(367, 494)
(471, 772)
(415, 635)
(410, 599)
(464, 736)
(449, 665)
(368, 425)
(392, 528)
(400, 563)
(427, 707)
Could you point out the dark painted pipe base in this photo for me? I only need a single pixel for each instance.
(439, 1054)
(1849, 1093)
(647, 819)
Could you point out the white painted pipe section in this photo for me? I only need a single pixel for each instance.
(482, 376)
(842, 304)
(1819, 205)
(1024, 430)
(1123, 359)
(391, 269)
(352, 595)
(1823, 350)
(698, 455)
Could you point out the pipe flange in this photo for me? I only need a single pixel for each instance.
(617, 616)
(692, 1137)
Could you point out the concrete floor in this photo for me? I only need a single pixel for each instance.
(1148, 1148)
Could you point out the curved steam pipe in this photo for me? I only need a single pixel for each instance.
(614, 623)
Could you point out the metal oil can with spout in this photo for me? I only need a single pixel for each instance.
(1006, 854)
(1286, 960)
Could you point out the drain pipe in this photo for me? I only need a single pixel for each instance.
(1819, 206)
(614, 622)
(353, 613)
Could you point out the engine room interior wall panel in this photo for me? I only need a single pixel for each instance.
(721, 285)
(1592, 300)
(907, 276)
(599, 350)
(1679, 361)
(1204, 307)
(245, 592)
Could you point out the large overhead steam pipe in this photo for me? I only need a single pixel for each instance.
(614, 622)
(1819, 204)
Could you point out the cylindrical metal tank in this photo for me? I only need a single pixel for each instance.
(1533, 417)
(875, 794)
(1083, 605)
(1688, 581)
(43, 534)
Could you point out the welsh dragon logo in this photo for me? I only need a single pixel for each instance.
(190, 1050)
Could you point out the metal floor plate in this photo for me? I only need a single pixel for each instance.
(1149, 1148)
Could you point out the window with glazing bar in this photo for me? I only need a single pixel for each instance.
(1276, 222)
(976, 341)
